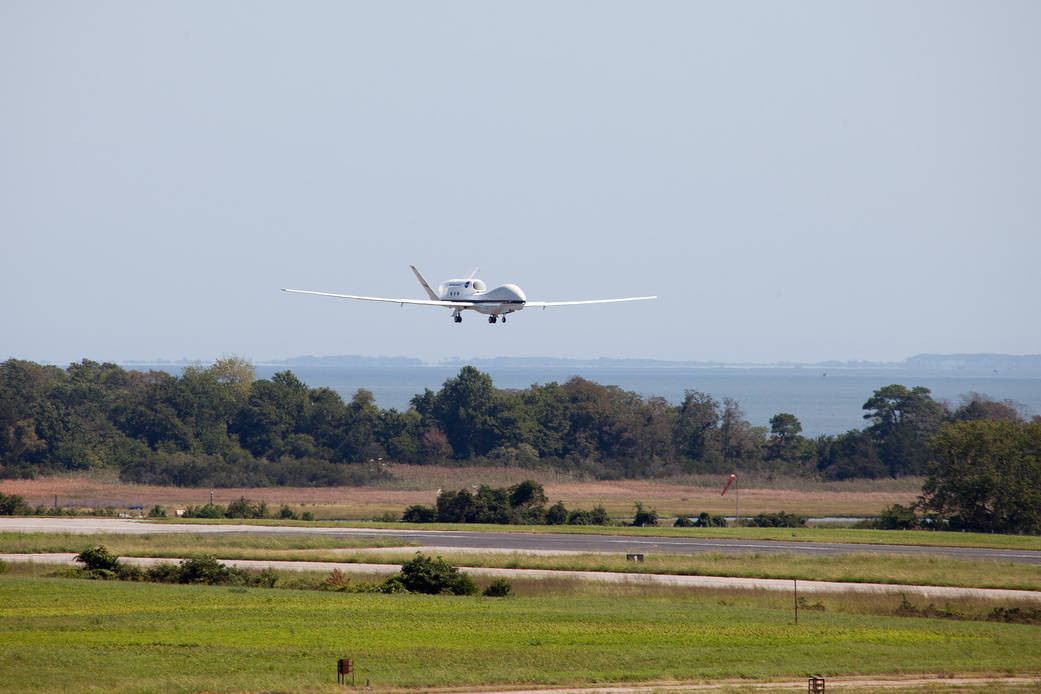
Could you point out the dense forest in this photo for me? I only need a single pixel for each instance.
(220, 426)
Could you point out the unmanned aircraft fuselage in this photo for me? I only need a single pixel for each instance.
(472, 294)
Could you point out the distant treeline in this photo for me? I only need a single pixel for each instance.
(220, 426)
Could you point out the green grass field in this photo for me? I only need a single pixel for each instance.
(60, 635)
(852, 567)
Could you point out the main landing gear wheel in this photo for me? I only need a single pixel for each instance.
(491, 319)
(457, 319)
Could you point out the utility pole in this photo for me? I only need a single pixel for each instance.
(795, 582)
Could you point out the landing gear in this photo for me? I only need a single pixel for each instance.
(457, 318)
(491, 319)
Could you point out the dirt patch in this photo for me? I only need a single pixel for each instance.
(671, 499)
(618, 497)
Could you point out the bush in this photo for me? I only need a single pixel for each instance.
(556, 514)
(708, 521)
(307, 516)
(100, 564)
(244, 508)
(98, 559)
(683, 522)
(598, 516)
(163, 572)
(14, 505)
(777, 520)
(287, 513)
(157, 512)
(336, 580)
(897, 517)
(434, 577)
(418, 513)
(499, 588)
(205, 570)
(644, 516)
(207, 511)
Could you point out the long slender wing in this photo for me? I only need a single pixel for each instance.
(544, 304)
(418, 302)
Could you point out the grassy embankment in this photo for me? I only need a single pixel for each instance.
(853, 567)
(151, 638)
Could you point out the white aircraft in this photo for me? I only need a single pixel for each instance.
(471, 293)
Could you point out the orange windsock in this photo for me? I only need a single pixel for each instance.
(729, 482)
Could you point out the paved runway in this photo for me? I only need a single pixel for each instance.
(549, 542)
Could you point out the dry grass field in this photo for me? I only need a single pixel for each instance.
(420, 484)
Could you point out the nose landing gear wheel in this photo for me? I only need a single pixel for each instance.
(457, 319)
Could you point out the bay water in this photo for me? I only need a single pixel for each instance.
(825, 400)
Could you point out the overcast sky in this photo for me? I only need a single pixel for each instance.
(795, 180)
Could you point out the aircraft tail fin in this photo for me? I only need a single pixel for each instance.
(426, 287)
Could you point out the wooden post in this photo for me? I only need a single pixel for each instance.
(795, 581)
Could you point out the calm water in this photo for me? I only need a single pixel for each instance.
(826, 401)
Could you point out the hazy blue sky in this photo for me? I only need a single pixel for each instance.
(795, 180)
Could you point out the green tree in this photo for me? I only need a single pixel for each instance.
(463, 407)
(784, 436)
(902, 423)
(849, 455)
(975, 407)
(986, 476)
(236, 372)
(697, 426)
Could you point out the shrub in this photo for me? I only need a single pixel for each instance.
(683, 522)
(157, 512)
(708, 521)
(207, 511)
(14, 505)
(287, 513)
(644, 516)
(777, 520)
(307, 516)
(556, 514)
(244, 508)
(897, 517)
(1015, 615)
(499, 588)
(205, 570)
(418, 513)
(598, 516)
(98, 559)
(393, 584)
(336, 580)
(434, 576)
(99, 563)
(163, 572)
